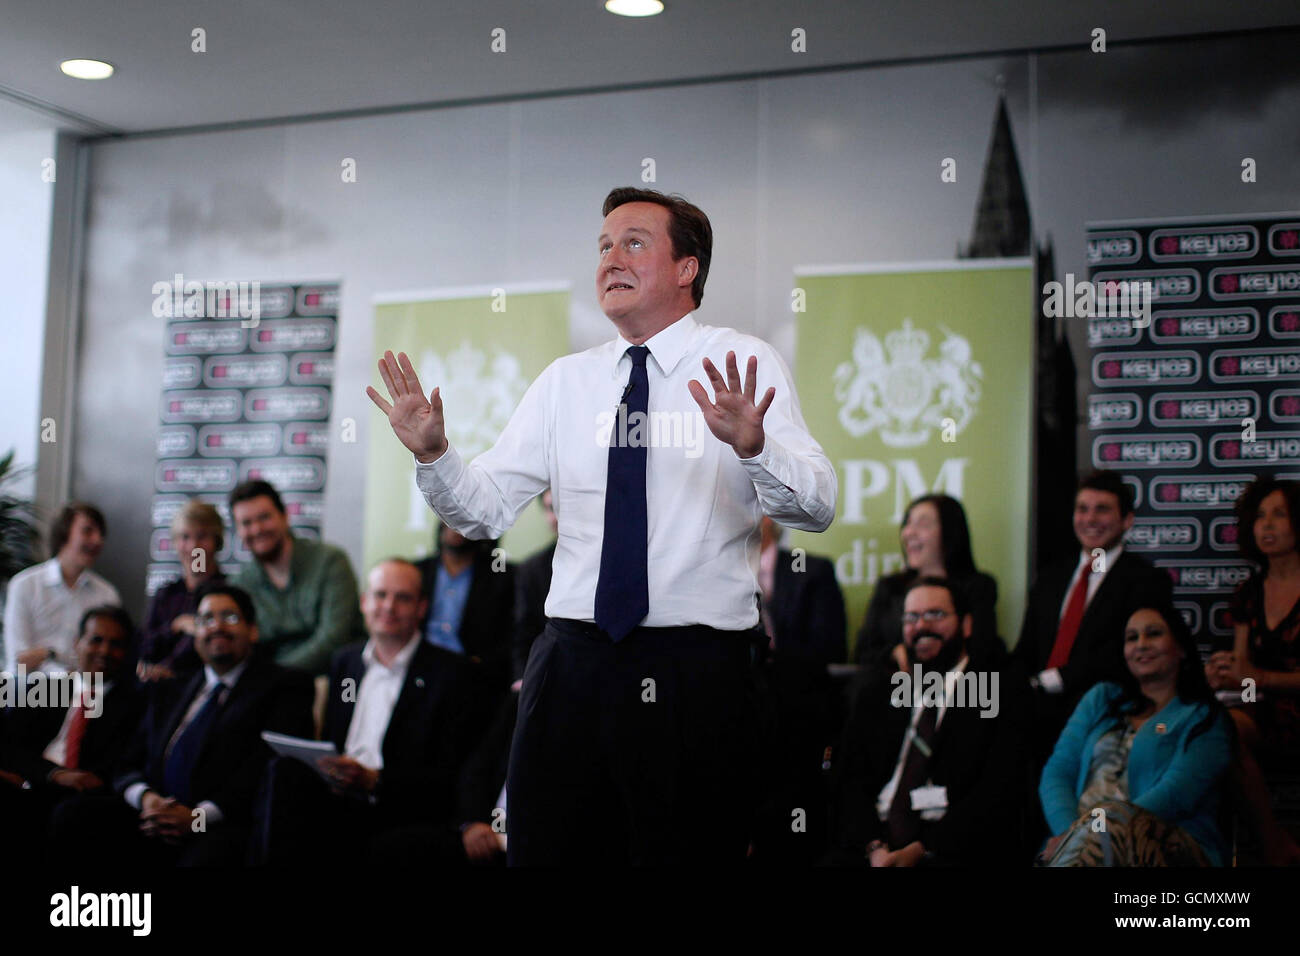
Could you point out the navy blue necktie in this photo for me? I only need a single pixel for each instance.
(179, 766)
(623, 589)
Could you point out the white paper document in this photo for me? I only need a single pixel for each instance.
(300, 748)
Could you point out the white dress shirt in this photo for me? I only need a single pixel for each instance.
(376, 697)
(134, 794)
(1051, 678)
(703, 502)
(42, 611)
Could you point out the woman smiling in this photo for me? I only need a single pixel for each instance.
(1134, 779)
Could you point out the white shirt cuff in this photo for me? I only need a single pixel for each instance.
(444, 470)
(212, 811)
(134, 794)
(1051, 681)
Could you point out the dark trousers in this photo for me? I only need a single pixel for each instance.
(102, 829)
(301, 822)
(639, 752)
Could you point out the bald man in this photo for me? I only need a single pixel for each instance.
(403, 714)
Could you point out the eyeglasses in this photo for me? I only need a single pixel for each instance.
(932, 616)
(229, 618)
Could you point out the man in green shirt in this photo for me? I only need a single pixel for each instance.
(304, 590)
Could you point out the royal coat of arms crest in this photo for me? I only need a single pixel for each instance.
(895, 389)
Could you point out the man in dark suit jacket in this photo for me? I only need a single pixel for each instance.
(1073, 633)
(404, 715)
(47, 750)
(485, 628)
(62, 751)
(483, 789)
(194, 766)
(532, 585)
(955, 794)
(802, 613)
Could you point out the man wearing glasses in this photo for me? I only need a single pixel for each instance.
(195, 765)
(933, 762)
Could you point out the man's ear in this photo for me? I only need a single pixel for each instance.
(1128, 520)
(967, 626)
(252, 634)
(689, 269)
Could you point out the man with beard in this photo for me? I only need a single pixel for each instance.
(470, 590)
(193, 770)
(933, 759)
(304, 590)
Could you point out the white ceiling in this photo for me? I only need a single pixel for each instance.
(276, 59)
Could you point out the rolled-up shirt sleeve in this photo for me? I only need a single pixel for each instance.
(794, 480)
(481, 499)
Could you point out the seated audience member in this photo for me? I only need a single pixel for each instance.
(802, 615)
(1148, 752)
(404, 715)
(483, 789)
(470, 594)
(63, 751)
(193, 770)
(304, 590)
(930, 774)
(168, 647)
(532, 585)
(1074, 620)
(45, 602)
(936, 543)
(1266, 651)
(802, 608)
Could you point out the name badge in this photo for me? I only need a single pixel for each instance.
(930, 798)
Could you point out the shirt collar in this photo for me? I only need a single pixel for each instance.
(402, 659)
(667, 346)
(54, 575)
(211, 680)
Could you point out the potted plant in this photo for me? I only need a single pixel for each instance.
(18, 533)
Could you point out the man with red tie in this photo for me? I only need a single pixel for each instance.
(1073, 633)
(59, 752)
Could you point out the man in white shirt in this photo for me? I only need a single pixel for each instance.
(45, 602)
(404, 714)
(634, 703)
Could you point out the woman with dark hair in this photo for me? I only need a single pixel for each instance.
(935, 541)
(1134, 779)
(1265, 657)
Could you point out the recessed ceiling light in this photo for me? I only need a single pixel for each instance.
(634, 8)
(87, 69)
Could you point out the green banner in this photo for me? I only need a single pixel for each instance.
(919, 379)
(483, 349)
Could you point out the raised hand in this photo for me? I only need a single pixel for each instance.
(732, 416)
(416, 421)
